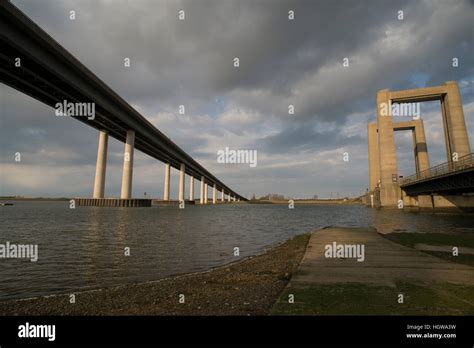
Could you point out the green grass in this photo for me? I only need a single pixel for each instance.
(362, 299)
(458, 240)
(410, 239)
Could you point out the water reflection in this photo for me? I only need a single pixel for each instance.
(388, 221)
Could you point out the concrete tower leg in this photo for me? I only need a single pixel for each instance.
(422, 160)
(456, 123)
(420, 147)
(446, 128)
(374, 168)
(389, 188)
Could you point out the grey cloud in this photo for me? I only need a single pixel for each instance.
(303, 138)
(190, 62)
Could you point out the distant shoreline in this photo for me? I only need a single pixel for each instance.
(311, 201)
(296, 201)
(13, 198)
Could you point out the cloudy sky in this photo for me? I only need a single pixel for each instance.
(282, 62)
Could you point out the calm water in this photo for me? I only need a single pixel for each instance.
(83, 248)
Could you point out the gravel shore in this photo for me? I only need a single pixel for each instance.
(248, 287)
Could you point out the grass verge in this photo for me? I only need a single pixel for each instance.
(362, 299)
(458, 240)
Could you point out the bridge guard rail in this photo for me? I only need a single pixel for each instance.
(462, 163)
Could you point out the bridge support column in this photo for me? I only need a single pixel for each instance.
(222, 195)
(205, 194)
(127, 174)
(191, 188)
(228, 197)
(166, 190)
(456, 134)
(99, 183)
(389, 189)
(201, 198)
(182, 173)
(214, 194)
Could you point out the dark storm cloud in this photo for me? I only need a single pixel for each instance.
(176, 62)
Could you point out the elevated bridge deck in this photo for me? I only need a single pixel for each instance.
(450, 177)
(50, 74)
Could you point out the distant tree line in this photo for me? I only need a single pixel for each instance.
(270, 197)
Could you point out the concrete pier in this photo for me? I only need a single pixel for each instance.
(222, 196)
(171, 202)
(99, 183)
(191, 188)
(205, 194)
(166, 190)
(127, 175)
(112, 202)
(201, 197)
(181, 182)
(214, 194)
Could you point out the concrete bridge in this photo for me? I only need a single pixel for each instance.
(449, 185)
(32, 62)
